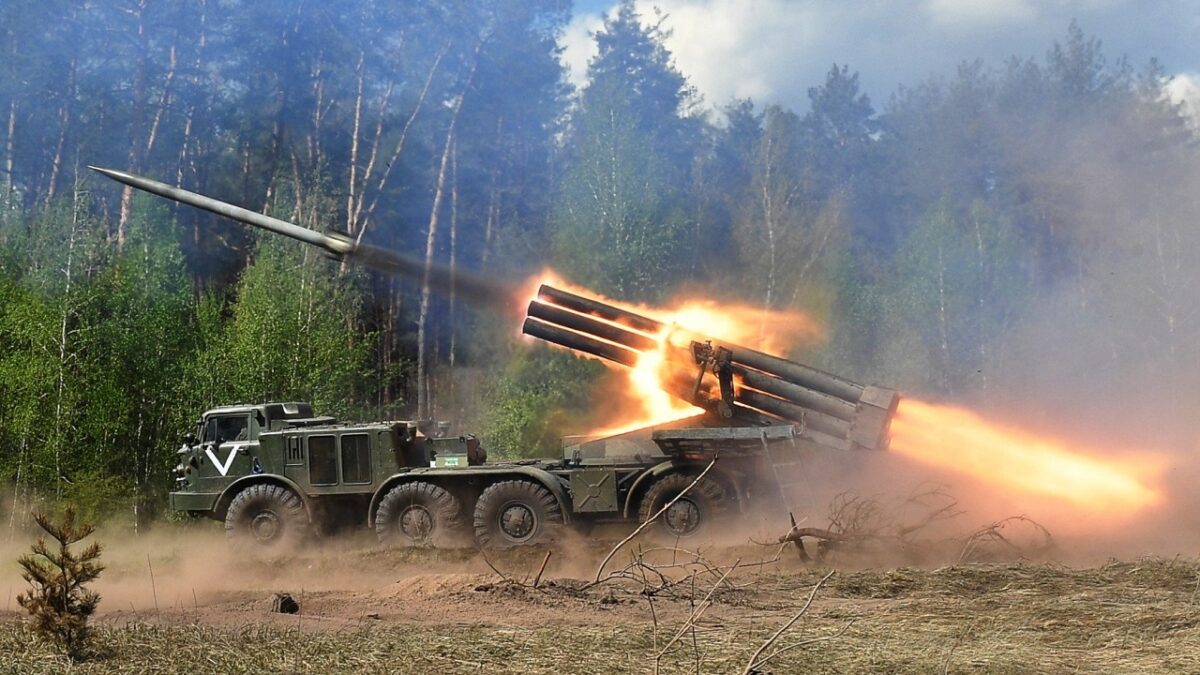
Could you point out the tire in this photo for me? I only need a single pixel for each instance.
(516, 513)
(267, 516)
(417, 514)
(693, 516)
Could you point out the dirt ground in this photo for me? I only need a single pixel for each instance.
(184, 601)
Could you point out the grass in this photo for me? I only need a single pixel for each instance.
(1124, 617)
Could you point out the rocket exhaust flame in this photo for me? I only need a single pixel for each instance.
(960, 440)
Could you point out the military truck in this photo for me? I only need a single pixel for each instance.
(274, 472)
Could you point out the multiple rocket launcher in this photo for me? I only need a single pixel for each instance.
(738, 386)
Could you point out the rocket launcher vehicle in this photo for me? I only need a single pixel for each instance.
(738, 386)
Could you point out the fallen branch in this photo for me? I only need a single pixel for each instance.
(695, 615)
(754, 662)
(867, 523)
(512, 580)
(797, 534)
(992, 534)
(803, 643)
(650, 520)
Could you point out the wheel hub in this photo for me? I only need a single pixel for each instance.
(517, 521)
(682, 518)
(265, 526)
(416, 522)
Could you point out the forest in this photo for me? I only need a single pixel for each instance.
(1018, 236)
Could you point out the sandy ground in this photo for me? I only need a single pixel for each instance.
(184, 601)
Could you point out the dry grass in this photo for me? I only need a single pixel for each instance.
(1131, 617)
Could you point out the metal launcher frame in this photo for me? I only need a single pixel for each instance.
(737, 386)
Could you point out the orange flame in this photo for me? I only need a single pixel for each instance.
(962, 441)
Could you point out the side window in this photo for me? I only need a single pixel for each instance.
(227, 428)
(356, 458)
(322, 460)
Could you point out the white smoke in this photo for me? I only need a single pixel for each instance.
(1184, 89)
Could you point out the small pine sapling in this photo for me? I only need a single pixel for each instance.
(59, 601)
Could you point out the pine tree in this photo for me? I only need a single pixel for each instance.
(624, 208)
(60, 602)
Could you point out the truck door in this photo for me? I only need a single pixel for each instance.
(227, 445)
(322, 460)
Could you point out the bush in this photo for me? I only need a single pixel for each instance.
(59, 601)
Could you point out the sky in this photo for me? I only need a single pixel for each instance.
(773, 50)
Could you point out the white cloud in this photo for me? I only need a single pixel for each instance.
(726, 48)
(969, 14)
(738, 48)
(579, 46)
(775, 50)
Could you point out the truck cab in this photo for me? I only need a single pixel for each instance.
(226, 446)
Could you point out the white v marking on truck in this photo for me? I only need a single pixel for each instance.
(223, 468)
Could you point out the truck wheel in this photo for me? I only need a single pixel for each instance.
(692, 515)
(267, 515)
(416, 514)
(516, 513)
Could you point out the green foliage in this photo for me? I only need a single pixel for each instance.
(786, 231)
(542, 395)
(48, 326)
(293, 332)
(147, 316)
(103, 495)
(956, 287)
(59, 600)
(617, 230)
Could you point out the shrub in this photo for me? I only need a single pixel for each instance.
(59, 600)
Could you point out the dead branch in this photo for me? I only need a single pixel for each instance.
(798, 533)
(697, 612)
(802, 643)
(754, 662)
(860, 522)
(511, 580)
(653, 612)
(650, 520)
(991, 534)
(948, 510)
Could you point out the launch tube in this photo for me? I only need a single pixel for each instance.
(578, 303)
(824, 403)
(796, 373)
(591, 326)
(793, 413)
(579, 342)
